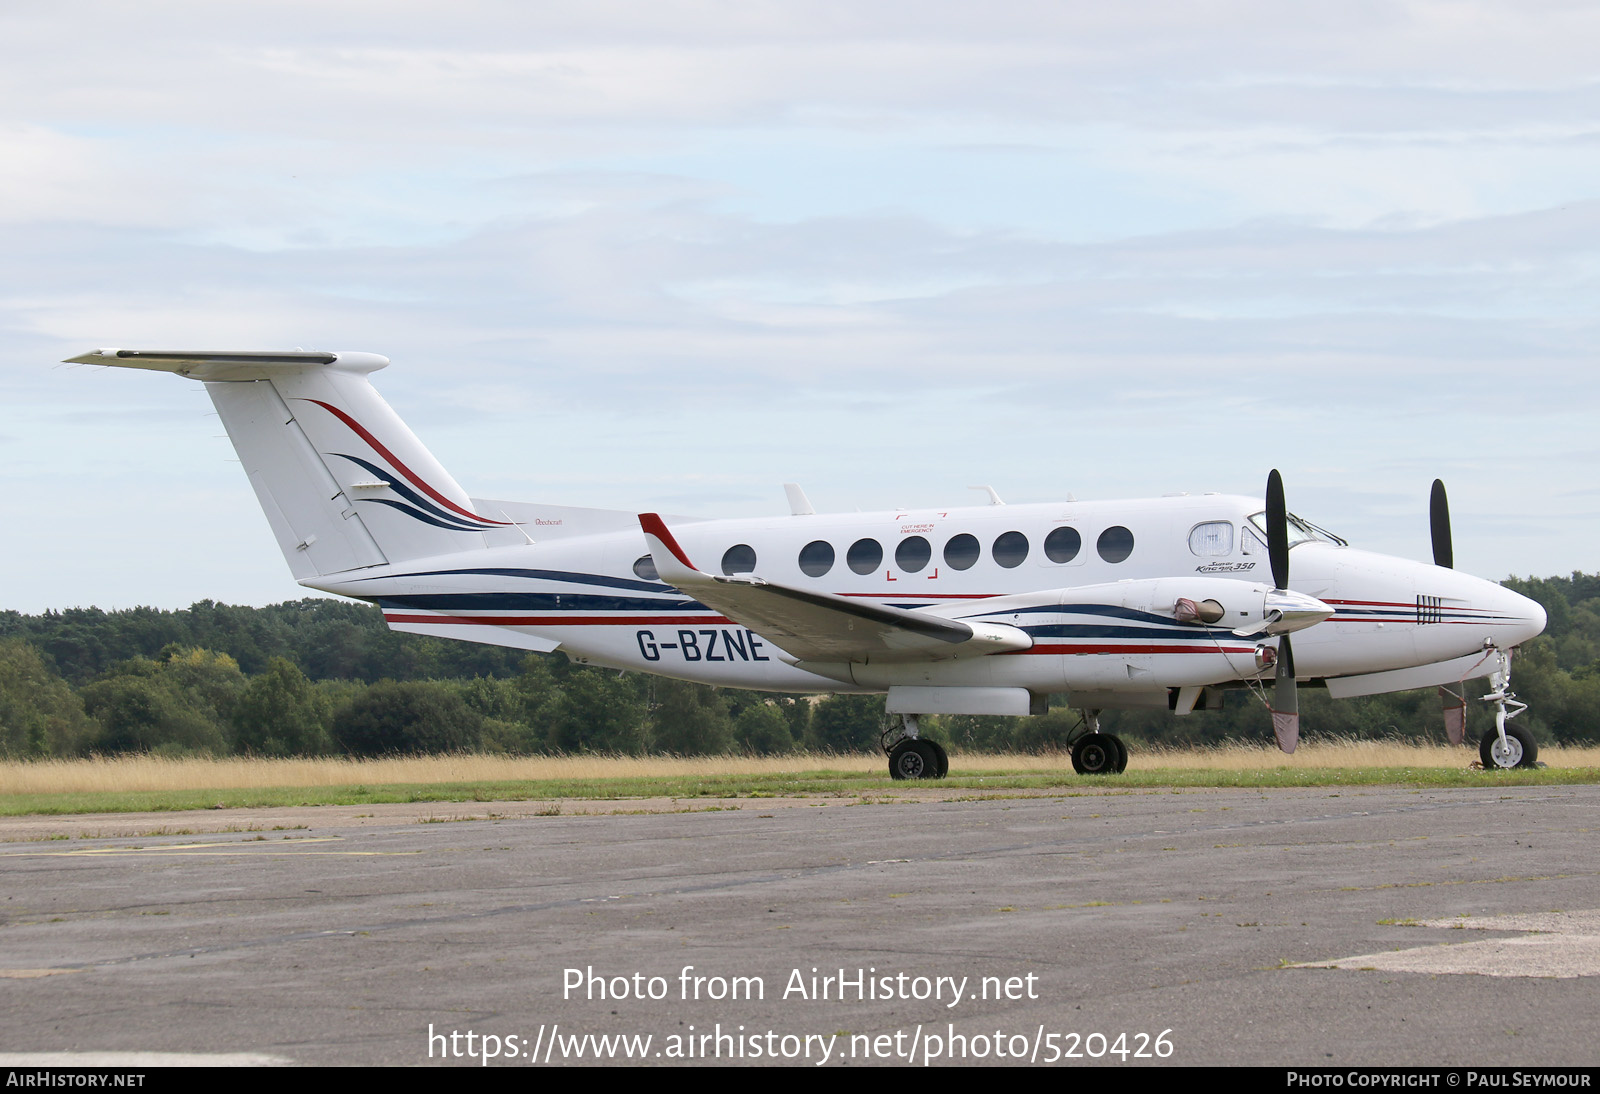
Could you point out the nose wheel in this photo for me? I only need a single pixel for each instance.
(1515, 749)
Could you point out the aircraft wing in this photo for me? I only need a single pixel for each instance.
(815, 626)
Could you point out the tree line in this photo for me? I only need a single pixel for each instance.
(325, 677)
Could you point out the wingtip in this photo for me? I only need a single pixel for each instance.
(656, 529)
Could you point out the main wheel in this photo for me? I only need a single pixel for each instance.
(1122, 755)
(1518, 751)
(913, 760)
(1096, 754)
(941, 759)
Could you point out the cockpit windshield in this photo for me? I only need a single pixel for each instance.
(1300, 531)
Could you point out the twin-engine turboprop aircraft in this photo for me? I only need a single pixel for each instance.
(1162, 603)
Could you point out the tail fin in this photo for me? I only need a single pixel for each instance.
(344, 483)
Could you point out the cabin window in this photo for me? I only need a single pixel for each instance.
(816, 558)
(864, 555)
(1062, 545)
(645, 568)
(1115, 544)
(1212, 539)
(1010, 549)
(961, 552)
(912, 554)
(739, 559)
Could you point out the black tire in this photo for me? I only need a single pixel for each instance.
(1521, 750)
(1122, 754)
(913, 760)
(1096, 754)
(941, 758)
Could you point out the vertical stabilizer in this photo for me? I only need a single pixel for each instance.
(344, 482)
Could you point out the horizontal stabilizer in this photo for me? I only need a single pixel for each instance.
(813, 626)
(229, 364)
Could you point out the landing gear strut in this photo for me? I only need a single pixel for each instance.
(1506, 746)
(1096, 753)
(910, 757)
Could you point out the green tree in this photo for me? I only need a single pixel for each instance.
(140, 713)
(689, 719)
(763, 728)
(600, 711)
(411, 717)
(176, 704)
(847, 723)
(39, 713)
(280, 713)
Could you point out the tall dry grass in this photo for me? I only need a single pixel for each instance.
(153, 773)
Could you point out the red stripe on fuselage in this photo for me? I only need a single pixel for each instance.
(559, 620)
(1402, 604)
(1088, 647)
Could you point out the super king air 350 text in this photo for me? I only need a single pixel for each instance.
(1160, 603)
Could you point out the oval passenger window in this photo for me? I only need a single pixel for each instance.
(739, 559)
(912, 554)
(864, 555)
(816, 558)
(1115, 544)
(1010, 549)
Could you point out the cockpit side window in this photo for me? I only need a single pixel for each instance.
(1300, 531)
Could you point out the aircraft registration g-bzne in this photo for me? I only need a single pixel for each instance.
(1163, 603)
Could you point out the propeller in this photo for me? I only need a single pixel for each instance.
(1452, 698)
(1439, 523)
(1285, 696)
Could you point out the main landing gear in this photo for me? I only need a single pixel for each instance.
(910, 757)
(1506, 746)
(1096, 753)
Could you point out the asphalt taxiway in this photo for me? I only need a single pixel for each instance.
(1326, 927)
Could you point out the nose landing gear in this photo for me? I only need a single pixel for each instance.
(1506, 746)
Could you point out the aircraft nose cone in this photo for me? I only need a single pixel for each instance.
(1527, 616)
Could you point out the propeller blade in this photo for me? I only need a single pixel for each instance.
(1286, 699)
(1439, 522)
(1277, 530)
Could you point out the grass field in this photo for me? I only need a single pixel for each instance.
(149, 783)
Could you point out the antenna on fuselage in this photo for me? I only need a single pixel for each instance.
(994, 498)
(518, 526)
(799, 504)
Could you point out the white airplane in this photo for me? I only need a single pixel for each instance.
(1163, 603)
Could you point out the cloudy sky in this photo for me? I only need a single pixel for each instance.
(669, 255)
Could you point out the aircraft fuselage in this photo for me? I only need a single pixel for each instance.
(1092, 583)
